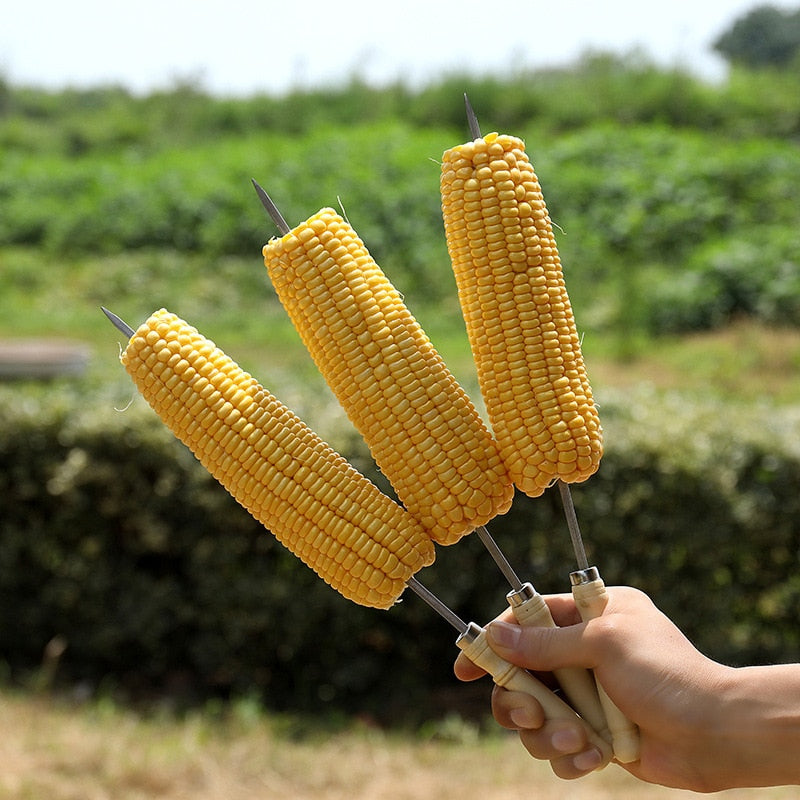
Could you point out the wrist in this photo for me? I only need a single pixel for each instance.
(758, 726)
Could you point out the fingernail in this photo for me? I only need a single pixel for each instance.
(566, 741)
(588, 760)
(522, 718)
(503, 634)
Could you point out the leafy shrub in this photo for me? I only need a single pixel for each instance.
(742, 275)
(672, 229)
(597, 88)
(116, 540)
(642, 202)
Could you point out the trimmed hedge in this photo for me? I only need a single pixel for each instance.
(113, 538)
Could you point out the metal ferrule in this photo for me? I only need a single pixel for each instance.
(471, 633)
(520, 596)
(581, 576)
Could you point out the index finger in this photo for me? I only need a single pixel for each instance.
(563, 609)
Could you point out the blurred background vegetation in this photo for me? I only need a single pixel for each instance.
(676, 203)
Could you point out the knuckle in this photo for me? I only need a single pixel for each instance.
(605, 636)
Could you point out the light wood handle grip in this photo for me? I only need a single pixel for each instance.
(530, 609)
(509, 676)
(591, 599)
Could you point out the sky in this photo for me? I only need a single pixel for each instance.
(242, 47)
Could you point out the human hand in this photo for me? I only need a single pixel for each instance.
(690, 710)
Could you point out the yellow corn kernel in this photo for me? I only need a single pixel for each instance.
(518, 314)
(388, 377)
(312, 500)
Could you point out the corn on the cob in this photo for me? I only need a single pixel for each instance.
(518, 314)
(355, 537)
(423, 431)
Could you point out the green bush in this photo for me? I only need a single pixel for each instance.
(115, 539)
(597, 88)
(742, 275)
(659, 226)
(670, 230)
(671, 193)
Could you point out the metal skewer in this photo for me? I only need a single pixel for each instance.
(588, 589)
(569, 508)
(437, 605)
(574, 528)
(499, 558)
(566, 496)
(528, 606)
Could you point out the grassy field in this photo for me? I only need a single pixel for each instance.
(230, 301)
(743, 362)
(97, 752)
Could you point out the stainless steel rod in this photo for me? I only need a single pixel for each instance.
(437, 605)
(572, 523)
(499, 558)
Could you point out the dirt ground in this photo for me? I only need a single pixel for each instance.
(55, 752)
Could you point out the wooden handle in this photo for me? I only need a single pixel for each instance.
(591, 599)
(477, 649)
(530, 609)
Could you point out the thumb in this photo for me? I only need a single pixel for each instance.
(539, 649)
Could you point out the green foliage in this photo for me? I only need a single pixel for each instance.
(599, 87)
(643, 210)
(651, 174)
(668, 230)
(115, 539)
(737, 276)
(639, 208)
(202, 200)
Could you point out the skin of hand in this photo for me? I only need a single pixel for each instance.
(703, 726)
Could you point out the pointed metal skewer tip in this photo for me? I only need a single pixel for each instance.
(118, 323)
(472, 120)
(271, 208)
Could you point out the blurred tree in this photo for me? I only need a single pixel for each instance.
(5, 93)
(765, 36)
